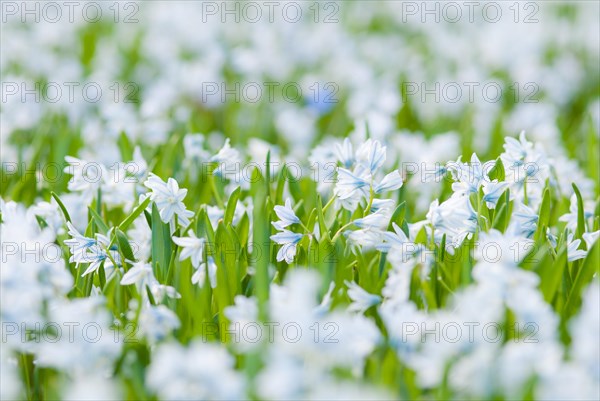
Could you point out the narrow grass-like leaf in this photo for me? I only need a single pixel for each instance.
(580, 213)
(125, 147)
(544, 217)
(231, 204)
(98, 220)
(134, 215)
(161, 244)
(261, 234)
(591, 266)
(551, 273)
(321, 218)
(62, 207)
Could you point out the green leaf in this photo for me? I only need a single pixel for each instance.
(243, 229)
(125, 147)
(544, 217)
(421, 237)
(124, 246)
(225, 260)
(580, 213)
(61, 206)
(503, 212)
(261, 238)
(268, 172)
(102, 275)
(497, 172)
(161, 244)
(150, 296)
(398, 216)
(231, 204)
(134, 215)
(98, 220)
(591, 266)
(283, 175)
(321, 218)
(551, 273)
(148, 217)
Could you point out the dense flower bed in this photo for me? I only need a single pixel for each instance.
(177, 225)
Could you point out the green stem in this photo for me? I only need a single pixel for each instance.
(337, 234)
(329, 203)
(305, 228)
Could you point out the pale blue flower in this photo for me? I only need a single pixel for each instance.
(140, 272)
(168, 199)
(361, 299)
(286, 216)
(289, 240)
(371, 155)
(492, 191)
(192, 247)
(378, 220)
(573, 251)
(390, 182)
(350, 185)
(395, 239)
(345, 153)
(590, 238)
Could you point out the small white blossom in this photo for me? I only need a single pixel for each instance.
(361, 299)
(169, 199)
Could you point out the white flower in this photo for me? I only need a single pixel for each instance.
(286, 216)
(364, 239)
(326, 302)
(383, 205)
(87, 176)
(351, 185)
(159, 291)
(199, 371)
(92, 251)
(199, 276)
(469, 176)
(194, 147)
(516, 150)
(396, 239)
(289, 240)
(390, 182)
(454, 217)
(78, 243)
(523, 221)
(492, 191)
(571, 217)
(169, 199)
(245, 310)
(378, 220)
(228, 159)
(140, 272)
(156, 322)
(192, 247)
(142, 275)
(573, 251)
(345, 153)
(361, 299)
(591, 238)
(371, 155)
